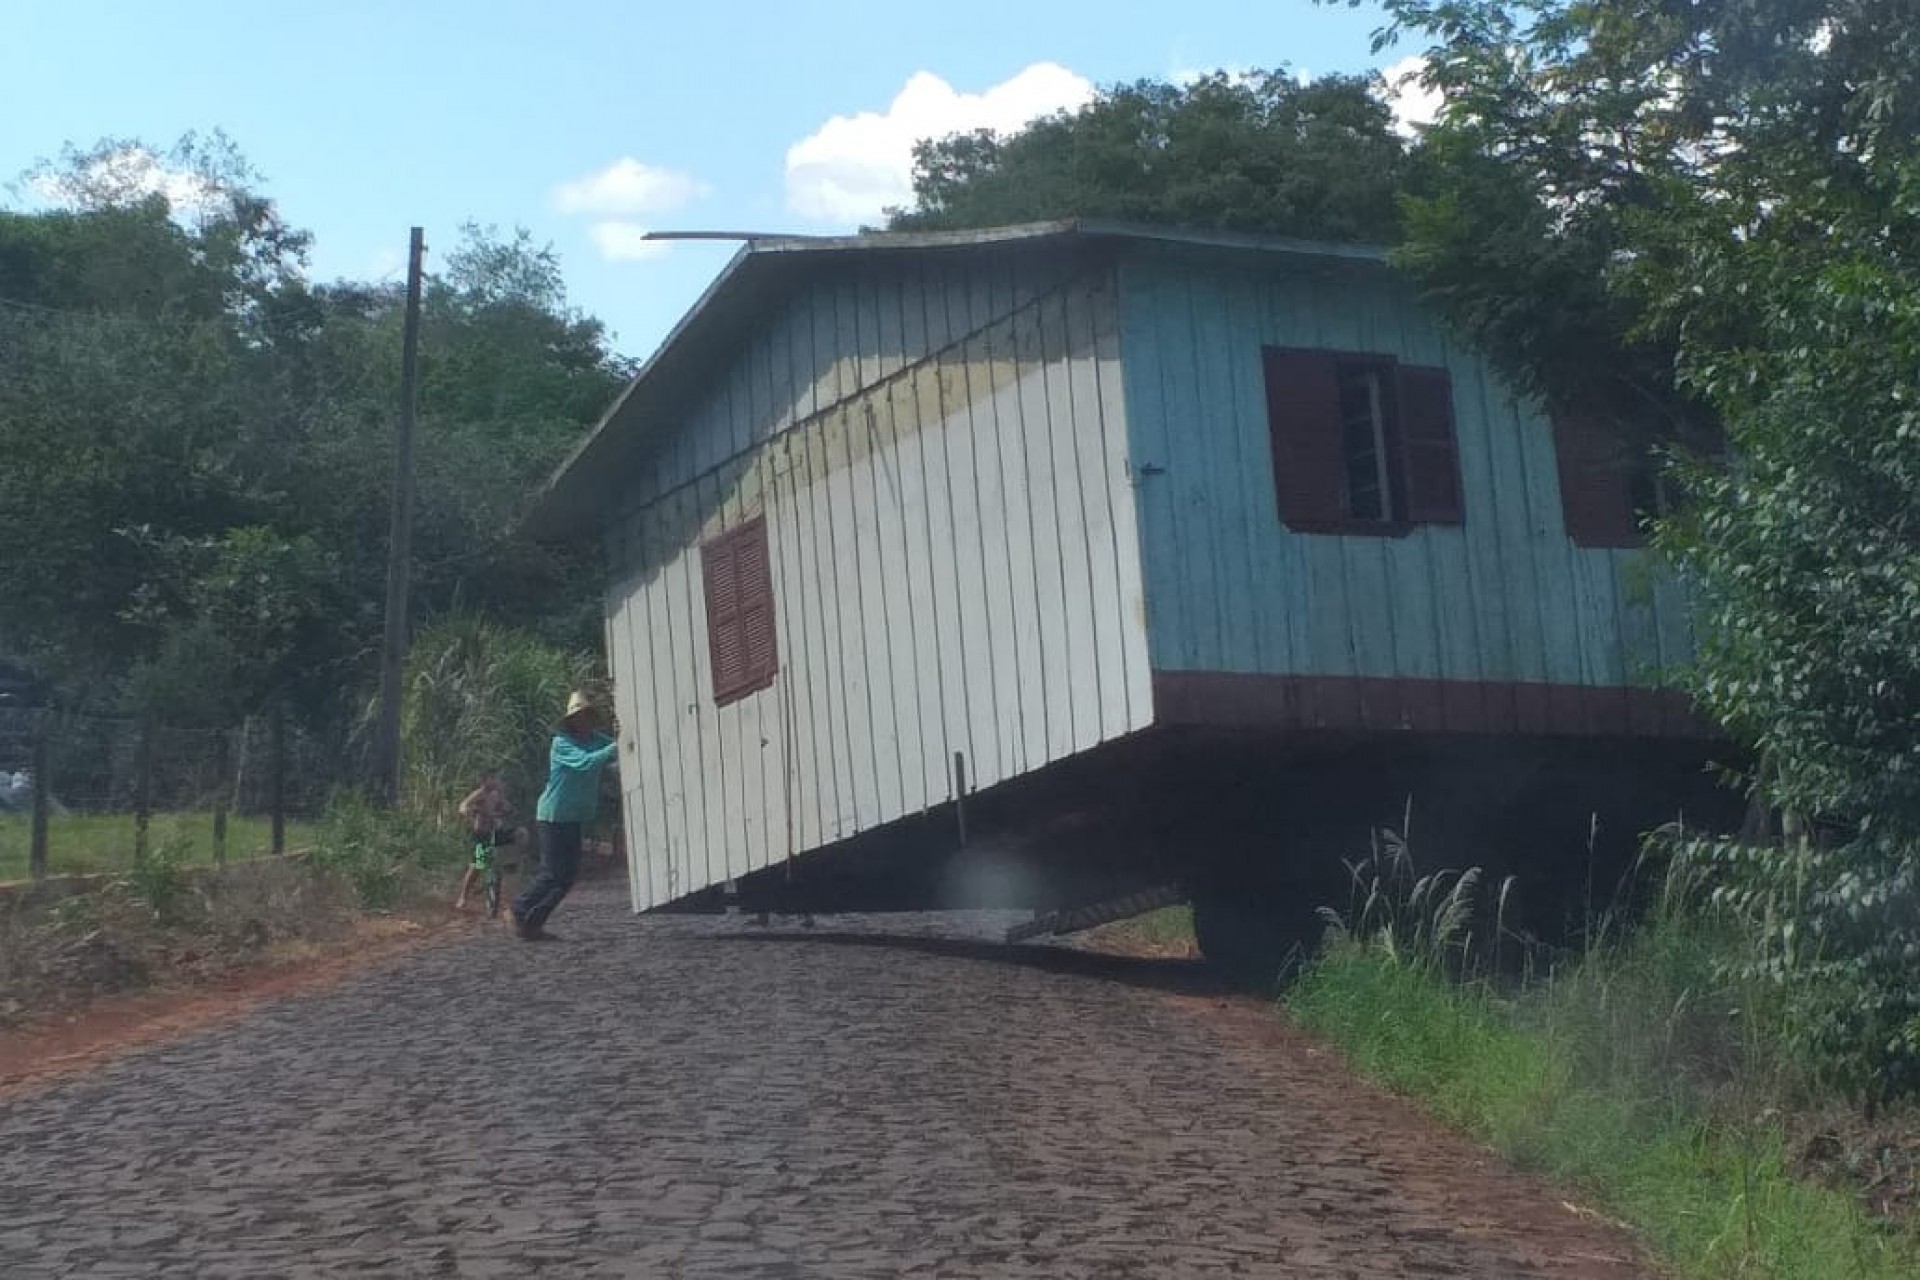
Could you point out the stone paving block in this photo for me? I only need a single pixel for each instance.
(686, 1096)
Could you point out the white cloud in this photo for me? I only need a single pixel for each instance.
(624, 241)
(853, 167)
(126, 174)
(627, 186)
(1412, 103)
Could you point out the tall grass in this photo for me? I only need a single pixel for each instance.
(480, 696)
(1634, 1069)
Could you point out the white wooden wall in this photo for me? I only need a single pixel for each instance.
(940, 453)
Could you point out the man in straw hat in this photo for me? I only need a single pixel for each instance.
(571, 799)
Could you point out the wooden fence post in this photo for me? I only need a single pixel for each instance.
(238, 803)
(221, 751)
(42, 797)
(143, 791)
(278, 770)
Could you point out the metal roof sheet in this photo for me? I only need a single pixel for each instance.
(764, 272)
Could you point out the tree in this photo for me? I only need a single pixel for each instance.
(1700, 221)
(194, 440)
(1262, 152)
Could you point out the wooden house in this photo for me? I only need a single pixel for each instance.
(895, 519)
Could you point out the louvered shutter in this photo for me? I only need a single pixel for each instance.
(720, 562)
(1430, 457)
(761, 655)
(740, 630)
(1303, 415)
(1595, 493)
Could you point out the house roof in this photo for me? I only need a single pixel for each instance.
(765, 271)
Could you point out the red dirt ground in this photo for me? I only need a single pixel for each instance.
(42, 1051)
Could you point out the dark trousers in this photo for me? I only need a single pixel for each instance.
(559, 864)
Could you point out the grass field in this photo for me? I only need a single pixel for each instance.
(86, 844)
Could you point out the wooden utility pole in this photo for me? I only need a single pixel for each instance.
(222, 789)
(42, 796)
(393, 654)
(278, 782)
(143, 791)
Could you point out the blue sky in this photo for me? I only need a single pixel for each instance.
(590, 121)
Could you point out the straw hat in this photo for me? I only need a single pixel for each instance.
(577, 702)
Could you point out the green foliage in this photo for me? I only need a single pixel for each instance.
(381, 854)
(159, 879)
(1700, 223)
(1402, 1024)
(482, 697)
(84, 844)
(1167, 927)
(1261, 152)
(1425, 921)
(1834, 934)
(256, 619)
(1714, 1199)
(195, 440)
(1647, 1069)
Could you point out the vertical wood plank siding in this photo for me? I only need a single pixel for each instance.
(939, 450)
(1504, 597)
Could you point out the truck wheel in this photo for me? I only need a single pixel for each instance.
(1258, 940)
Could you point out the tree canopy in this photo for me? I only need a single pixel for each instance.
(1700, 222)
(1261, 152)
(196, 440)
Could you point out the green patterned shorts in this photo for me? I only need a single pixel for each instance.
(483, 847)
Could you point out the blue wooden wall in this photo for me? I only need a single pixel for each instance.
(1504, 597)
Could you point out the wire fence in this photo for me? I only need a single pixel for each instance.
(83, 795)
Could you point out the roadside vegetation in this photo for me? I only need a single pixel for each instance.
(1647, 1069)
(477, 697)
(160, 923)
(197, 434)
(172, 919)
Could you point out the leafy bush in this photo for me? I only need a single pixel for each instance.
(159, 879)
(381, 853)
(1835, 933)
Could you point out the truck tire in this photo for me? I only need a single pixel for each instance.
(1258, 940)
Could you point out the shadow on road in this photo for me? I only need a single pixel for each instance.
(1175, 977)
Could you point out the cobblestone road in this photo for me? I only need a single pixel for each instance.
(685, 1097)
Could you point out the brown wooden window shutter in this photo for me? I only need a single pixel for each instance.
(1430, 457)
(1303, 415)
(1596, 491)
(740, 630)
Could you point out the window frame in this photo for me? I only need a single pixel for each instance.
(1610, 484)
(724, 559)
(1378, 376)
(1307, 426)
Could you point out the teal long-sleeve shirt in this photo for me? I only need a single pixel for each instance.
(573, 777)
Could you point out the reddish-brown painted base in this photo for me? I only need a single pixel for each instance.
(1359, 704)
